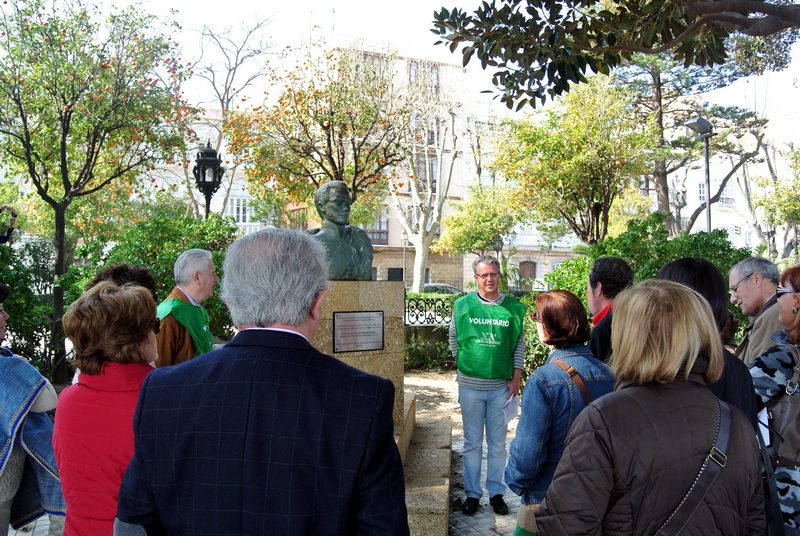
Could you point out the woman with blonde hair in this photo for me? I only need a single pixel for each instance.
(636, 460)
(113, 330)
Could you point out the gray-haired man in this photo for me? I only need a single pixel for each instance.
(752, 284)
(487, 341)
(266, 435)
(184, 332)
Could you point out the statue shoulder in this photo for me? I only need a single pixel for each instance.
(357, 234)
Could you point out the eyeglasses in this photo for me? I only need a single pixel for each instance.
(488, 275)
(735, 286)
(780, 291)
(157, 326)
(535, 316)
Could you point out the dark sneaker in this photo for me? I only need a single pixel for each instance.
(470, 506)
(499, 505)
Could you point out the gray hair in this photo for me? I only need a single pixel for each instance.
(272, 277)
(763, 266)
(189, 262)
(484, 259)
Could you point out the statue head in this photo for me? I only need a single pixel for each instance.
(333, 202)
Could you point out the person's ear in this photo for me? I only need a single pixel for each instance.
(598, 289)
(316, 306)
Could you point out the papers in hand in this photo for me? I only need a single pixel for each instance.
(511, 409)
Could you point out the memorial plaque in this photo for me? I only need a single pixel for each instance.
(357, 331)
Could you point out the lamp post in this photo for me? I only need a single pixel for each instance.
(704, 130)
(208, 172)
(497, 245)
(404, 237)
(769, 233)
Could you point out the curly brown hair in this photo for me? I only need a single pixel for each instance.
(110, 323)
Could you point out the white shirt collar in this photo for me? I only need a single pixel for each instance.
(191, 300)
(284, 330)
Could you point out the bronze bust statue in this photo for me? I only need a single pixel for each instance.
(349, 248)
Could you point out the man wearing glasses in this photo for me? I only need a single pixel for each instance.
(752, 284)
(487, 342)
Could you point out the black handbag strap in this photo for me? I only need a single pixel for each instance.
(709, 471)
(771, 501)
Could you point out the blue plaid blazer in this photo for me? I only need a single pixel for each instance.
(264, 436)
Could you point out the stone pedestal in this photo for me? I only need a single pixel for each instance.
(386, 296)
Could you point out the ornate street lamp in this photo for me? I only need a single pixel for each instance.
(704, 130)
(208, 172)
(497, 245)
(769, 233)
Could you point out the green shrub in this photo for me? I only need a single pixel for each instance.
(30, 304)
(155, 244)
(647, 246)
(571, 275)
(427, 348)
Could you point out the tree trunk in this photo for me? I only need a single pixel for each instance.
(421, 247)
(660, 165)
(59, 371)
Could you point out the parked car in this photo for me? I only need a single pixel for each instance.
(441, 288)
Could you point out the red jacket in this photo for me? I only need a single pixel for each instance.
(93, 442)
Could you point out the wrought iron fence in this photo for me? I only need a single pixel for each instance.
(428, 311)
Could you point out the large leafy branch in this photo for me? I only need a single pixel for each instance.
(542, 47)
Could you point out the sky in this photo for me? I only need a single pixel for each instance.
(404, 25)
(405, 28)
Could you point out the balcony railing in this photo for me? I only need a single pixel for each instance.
(379, 237)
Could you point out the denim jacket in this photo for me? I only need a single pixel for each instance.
(550, 403)
(40, 489)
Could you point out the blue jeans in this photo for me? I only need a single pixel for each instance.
(481, 409)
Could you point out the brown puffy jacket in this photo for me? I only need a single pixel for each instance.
(632, 455)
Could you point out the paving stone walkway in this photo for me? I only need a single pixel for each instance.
(437, 393)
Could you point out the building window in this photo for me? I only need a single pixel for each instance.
(527, 270)
(395, 274)
(379, 231)
(726, 199)
(239, 210)
(431, 174)
(701, 192)
(425, 73)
